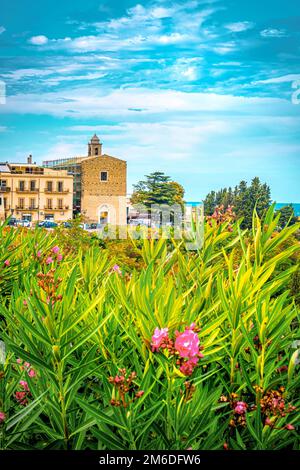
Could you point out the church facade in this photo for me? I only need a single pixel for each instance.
(100, 183)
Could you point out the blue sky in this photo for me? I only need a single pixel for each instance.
(200, 89)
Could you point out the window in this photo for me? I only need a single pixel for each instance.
(103, 176)
(3, 183)
(96, 151)
(32, 203)
(49, 203)
(21, 203)
(5, 202)
(0, 201)
(103, 218)
(49, 186)
(60, 203)
(21, 185)
(60, 186)
(32, 185)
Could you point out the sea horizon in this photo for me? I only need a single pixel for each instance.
(278, 205)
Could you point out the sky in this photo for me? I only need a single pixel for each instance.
(207, 91)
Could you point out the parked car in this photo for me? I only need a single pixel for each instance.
(12, 222)
(93, 226)
(23, 223)
(139, 222)
(67, 225)
(49, 224)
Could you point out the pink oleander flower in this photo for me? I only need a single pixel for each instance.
(7, 262)
(187, 367)
(49, 260)
(187, 343)
(240, 407)
(119, 379)
(19, 361)
(2, 416)
(290, 427)
(31, 373)
(55, 249)
(27, 364)
(24, 384)
(25, 302)
(158, 338)
(116, 268)
(39, 254)
(21, 398)
(59, 257)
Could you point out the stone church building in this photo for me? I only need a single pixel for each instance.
(99, 184)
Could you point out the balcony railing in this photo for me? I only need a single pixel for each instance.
(4, 189)
(27, 190)
(55, 191)
(27, 208)
(31, 171)
(63, 208)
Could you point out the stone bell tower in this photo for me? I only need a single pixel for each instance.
(94, 147)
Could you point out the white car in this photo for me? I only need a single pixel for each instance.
(23, 223)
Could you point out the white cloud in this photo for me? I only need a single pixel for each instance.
(63, 149)
(196, 144)
(186, 69)
(229, 64)
(239, 26)
(161, 12)
(273, 33)
(172, 38)
(190, 73)
(20, 74)
(82, 68)
(225, 47)
(40, 40)
(283, 79)
(74, 78)
(115, 43)
(175, 139)
(140, 29)
(2, 29)
(94, 102)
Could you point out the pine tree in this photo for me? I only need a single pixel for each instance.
(157, 189)
(287, 216)
(210, 203)
(244, 199)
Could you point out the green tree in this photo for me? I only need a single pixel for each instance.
(210, 203)
(157, 189)
(244, 198)
(287, 216)
(179, 193)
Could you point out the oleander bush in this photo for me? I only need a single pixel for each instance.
(191, 350)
